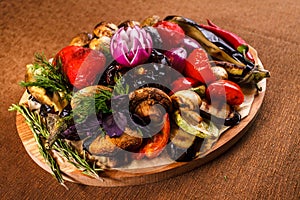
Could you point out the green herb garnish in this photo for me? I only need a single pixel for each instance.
(87, 105)
(41, 134)
(119, 88)
(49, 77)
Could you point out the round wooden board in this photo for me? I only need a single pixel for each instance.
(110, 178)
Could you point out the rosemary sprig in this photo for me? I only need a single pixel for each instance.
(39, 132)
(49, 77)
(74, 158)
(63, 148)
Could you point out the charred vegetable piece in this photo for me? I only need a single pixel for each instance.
(129, 23)
(47, 84)
(198, 67)
(82, 39)
(238, 73)
(171, 34)
(112, 73)
(150, 75)
(101, 44)
(238, 43)
(202, 129)
(220, 73)
(177, 58)
(105, 29)
(150, 21)
(130, 140)
(221, 115)
(155, 145)
(158, 57)
(184, 83)
(186, 100)
(183, 146)
(156, 39)
(81, 65)
(145, 94)
(209, 41)
(224, 88)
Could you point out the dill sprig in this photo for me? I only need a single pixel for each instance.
(87, 105)
(49, 77)
(41, 134)
(119, 88)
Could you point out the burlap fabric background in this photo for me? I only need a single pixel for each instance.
(264, 164)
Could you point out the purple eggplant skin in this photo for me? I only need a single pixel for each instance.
(184, 155)
(190, 44)
(177, 58)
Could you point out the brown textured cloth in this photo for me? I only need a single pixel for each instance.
(264, 164)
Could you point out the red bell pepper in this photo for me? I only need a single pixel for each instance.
(157, 143)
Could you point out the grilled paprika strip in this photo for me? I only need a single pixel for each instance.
(156, 145)
(237, 42)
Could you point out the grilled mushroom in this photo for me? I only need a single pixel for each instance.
(148, 97)
(101, 44)
(150, 21)
(128, 23)
(105, 29)
(82, 39)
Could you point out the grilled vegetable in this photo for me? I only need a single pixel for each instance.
(238, 43)
(47, 84)
(186, 100)
(129, 23)
(150, 21)
(238, 73)
(177, 58)
(201, 128)
(82, 39)
(220, 115)
(150, 95)
(155, 145)
(105, 29)
(184, 83)
(224, 89)
(193, 30)
(81, 65)
(183, 146)
(220, 73)
(198, 67)
(219, 49)
(101, 44)
(171, 34)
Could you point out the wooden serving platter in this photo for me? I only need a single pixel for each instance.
(110, 178)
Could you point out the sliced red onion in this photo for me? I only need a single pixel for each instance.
(131, 46)
(177, 57)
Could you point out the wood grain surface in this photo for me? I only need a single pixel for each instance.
(263, 164)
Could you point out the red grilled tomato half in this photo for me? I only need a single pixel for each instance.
(81, 65)
(219, 89)
(183, 83)
(198, 67)
(170, 33)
